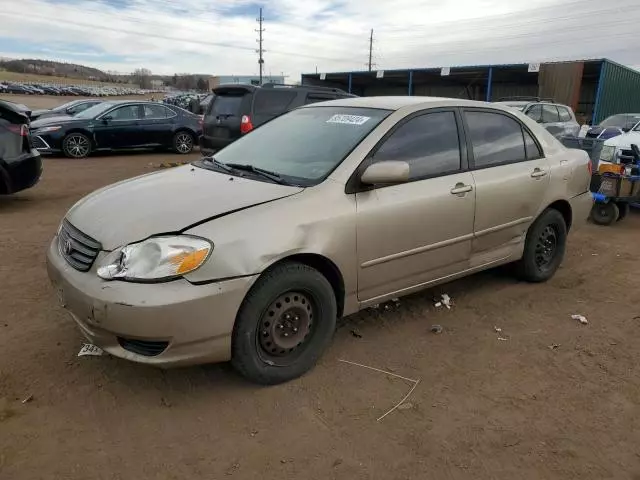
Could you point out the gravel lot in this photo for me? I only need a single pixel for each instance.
(555, 399)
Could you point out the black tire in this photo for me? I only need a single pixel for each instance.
(257, 348)
(544, 247)
(183, 142)
(76, 145)
(623, 210)
(605, 213)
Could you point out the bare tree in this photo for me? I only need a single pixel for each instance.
(142, 77)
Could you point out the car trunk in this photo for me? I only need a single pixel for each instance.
(224, 117)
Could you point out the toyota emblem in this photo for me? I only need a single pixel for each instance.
(68, 248)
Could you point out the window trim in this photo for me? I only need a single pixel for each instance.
(354, 185)
(523, 128)
(174, 114)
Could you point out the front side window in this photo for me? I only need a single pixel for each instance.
(303, 146)
(428, 143)
(496, 139)
(128, 112)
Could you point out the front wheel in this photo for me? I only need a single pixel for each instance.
(605, 213)
(544, 247)
(76, 145)
(284, 324)
(183, 142)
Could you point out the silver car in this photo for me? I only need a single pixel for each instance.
(556, 118)
(251, 256)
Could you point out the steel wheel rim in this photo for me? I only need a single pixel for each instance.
(546, 247)
(77, 146)
(286, 326)
(184, 143)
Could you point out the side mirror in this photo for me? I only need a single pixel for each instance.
(68, 111)
(107, 119)
(388, 172)
(626, 129)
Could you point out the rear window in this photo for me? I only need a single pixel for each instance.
(272, 102)
(227, 104)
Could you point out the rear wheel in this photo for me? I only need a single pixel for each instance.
(605, 213)
(284, 324)
(544, 247)
(76, 145)
(183, 142)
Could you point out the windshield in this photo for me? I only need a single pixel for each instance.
(304, 145)
(622, 121)
(94, 111)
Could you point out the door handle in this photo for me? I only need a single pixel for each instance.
(461, 188)
(537, 173)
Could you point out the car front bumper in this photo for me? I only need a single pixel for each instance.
(162, 324)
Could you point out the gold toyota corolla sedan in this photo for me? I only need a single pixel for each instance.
(252, 255)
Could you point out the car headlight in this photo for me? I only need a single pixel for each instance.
(607, 154)
(156, 259)
(48, 129)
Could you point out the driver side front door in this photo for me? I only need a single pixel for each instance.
(120, 128)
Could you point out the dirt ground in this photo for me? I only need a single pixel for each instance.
(545, 398)
(46, 101)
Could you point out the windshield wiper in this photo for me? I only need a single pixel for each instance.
(218, 163)
(273, 176)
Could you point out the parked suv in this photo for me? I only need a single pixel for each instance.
(326, 210)
(558, 119)
(20, 163)
(237, 109)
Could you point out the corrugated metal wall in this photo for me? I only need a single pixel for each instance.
(561, 82)
(504, 90)
(619, 91)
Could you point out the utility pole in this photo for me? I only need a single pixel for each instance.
(371, 50)
(260, 50)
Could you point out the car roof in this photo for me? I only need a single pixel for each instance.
(400, 102)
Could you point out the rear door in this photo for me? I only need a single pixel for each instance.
(269, 103)
(222, 121)
(157, 124)
(511, 177)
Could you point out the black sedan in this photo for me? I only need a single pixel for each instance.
(118, 125)
(70, 108)
(20, 163)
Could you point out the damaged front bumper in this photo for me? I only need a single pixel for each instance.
(164, 324)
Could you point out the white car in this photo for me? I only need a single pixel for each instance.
(619, 147)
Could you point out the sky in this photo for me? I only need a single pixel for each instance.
(220, 37)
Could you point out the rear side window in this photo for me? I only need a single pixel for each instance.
(272, 102)
(550, 114)
(428, 143)
(496, 139)
(535, 113)
(155, 112)
(565, 116)
(531, 147)
(227, 104)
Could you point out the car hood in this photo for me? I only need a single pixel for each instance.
(57, 120)
(625, 140)
(167, 202)
(41, 111)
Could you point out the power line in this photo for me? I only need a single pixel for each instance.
(260, 51)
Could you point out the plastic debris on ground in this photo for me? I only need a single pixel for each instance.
(444, 300)
(437, 329)
(497, 329)
(90, 350)
(582, 319)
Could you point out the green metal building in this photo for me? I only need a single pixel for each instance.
(595, 89)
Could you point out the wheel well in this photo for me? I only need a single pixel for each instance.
(327, 268)
(564, 208)
(189, 131)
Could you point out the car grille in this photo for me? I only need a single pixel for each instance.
(78, 249)
(143, 347)
(39, 143)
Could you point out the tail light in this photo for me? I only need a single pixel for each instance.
(245, 124)
(21, 130)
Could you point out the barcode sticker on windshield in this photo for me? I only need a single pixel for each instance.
(348, 119)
